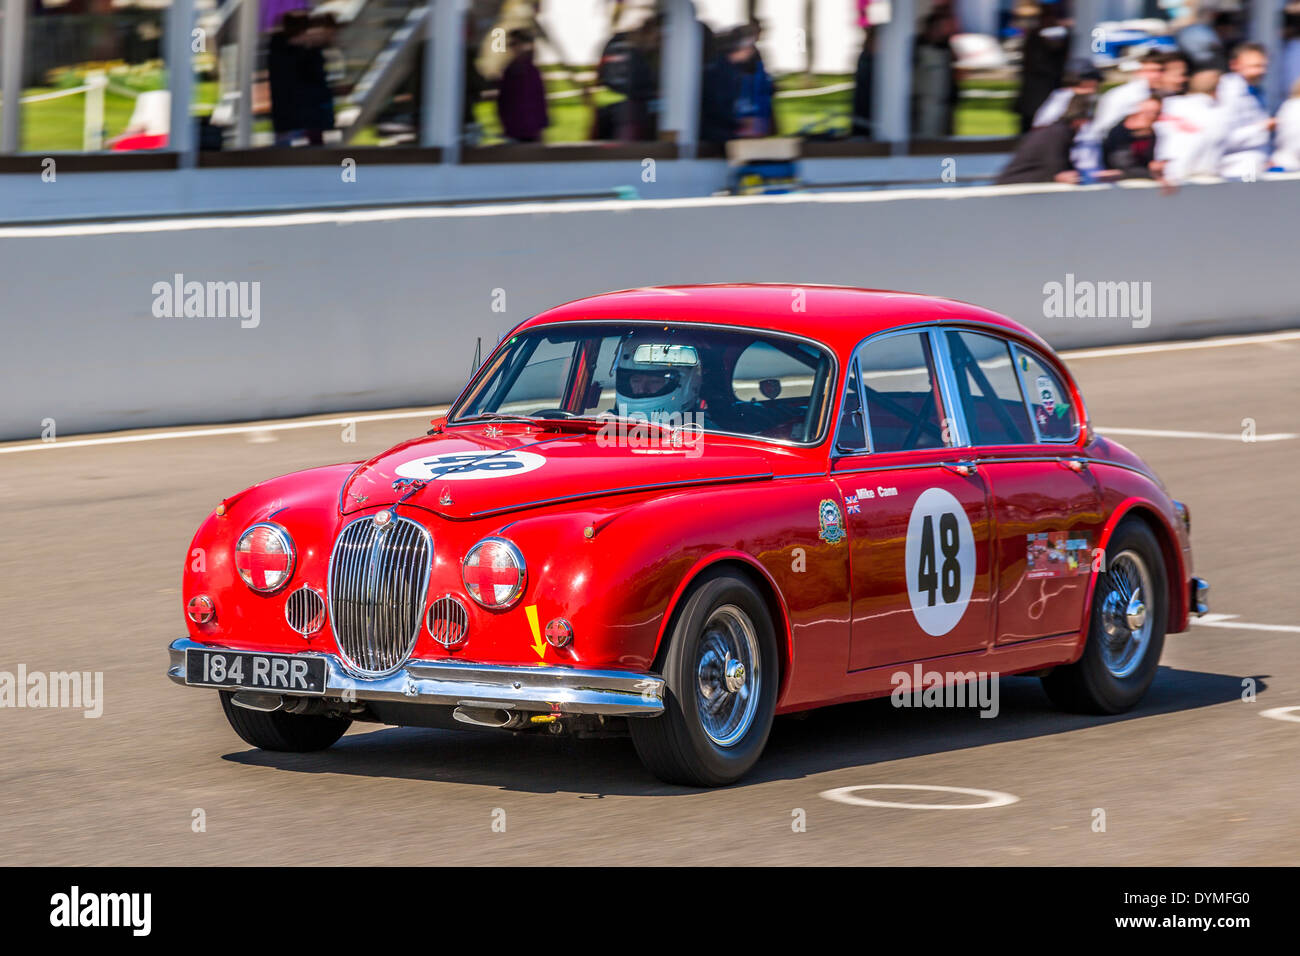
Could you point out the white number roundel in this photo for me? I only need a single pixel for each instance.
(940, 560)
(470, 466)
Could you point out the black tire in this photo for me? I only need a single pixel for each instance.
(1091, 685)
(290, 733)
(676, 746)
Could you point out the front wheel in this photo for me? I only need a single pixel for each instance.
(290, 733)
(720, 668)
(1130, 608)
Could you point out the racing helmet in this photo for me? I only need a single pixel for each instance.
(655, 379)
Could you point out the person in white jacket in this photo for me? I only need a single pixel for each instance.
(1286, 151)
(1119, 103)
(1191, 131)
(1248, 126)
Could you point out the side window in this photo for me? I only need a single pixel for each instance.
(852, 435)
(1049, 402)
(902, 393)
(989, 390)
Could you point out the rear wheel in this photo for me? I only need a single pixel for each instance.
(291, 733)
(720, 667)
(1130, 609)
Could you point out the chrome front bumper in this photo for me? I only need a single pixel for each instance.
(565, 690)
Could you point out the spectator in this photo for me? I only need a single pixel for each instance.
(1043, 154)
(1081, 79)
(1130, 148)
(521, 99)
(1286, 154)
(1247, 123)
(932, 83)
(754, 113)
(1291, 50)
(1200, 43)
(863, 85)
(719, 84)
(1190, 131)
(1173, 76)
(1046, 46)
(629, 65)
(301, 101)
(1116, 104)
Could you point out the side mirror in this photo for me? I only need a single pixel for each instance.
(438, 423)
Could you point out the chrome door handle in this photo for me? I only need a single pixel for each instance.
(963, 468)
(1074, 464)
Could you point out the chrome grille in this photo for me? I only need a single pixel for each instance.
(448, 621)
(305, 611)
(378, 580)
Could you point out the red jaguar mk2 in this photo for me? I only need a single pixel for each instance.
(679, 512)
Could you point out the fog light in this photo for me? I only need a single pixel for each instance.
(559, 633)
(200, 609)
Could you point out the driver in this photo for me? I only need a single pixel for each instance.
(656, 380)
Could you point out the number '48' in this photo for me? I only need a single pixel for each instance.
(947, 578)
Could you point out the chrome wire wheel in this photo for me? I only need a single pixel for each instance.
(727, 675)
(1127, 617)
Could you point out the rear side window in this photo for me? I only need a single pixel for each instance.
(1050, 404)
(904, 411)
(989, 390)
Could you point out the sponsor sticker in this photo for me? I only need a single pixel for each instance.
(1056, 554)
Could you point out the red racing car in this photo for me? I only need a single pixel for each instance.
(676, 513)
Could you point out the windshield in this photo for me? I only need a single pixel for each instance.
(735, 381)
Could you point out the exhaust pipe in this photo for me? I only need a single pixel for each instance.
(263, 703)
(486, 716)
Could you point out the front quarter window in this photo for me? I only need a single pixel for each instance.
(1050, 403)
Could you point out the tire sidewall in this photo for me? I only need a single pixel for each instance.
(1121, 693)
(723, 764)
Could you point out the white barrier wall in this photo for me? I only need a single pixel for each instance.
(372, 309)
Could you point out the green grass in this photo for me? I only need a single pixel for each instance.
(56, 125)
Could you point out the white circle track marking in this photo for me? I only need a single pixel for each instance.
(1282, 713)
(991, 798)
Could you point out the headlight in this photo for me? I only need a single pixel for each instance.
(494, 573)
(264, 557)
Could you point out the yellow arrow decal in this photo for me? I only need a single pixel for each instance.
(539, 645)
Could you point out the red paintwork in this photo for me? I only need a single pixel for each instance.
(843, 620)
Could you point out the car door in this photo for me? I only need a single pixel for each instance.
(1024, 429)
(917, 517)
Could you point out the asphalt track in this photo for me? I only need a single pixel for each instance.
(90, 555)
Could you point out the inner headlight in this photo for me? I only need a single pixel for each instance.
(494, 573)
(264, 557)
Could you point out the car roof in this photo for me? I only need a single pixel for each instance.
(839, 316)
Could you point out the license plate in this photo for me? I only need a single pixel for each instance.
(282, 673)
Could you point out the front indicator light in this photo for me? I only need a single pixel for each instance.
(559, 633)
(200, 609)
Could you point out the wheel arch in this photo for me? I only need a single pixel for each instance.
(745, 565)
(1148, 513)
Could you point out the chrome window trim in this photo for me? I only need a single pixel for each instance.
(853, 370)
(829, 416)
(954, 408)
